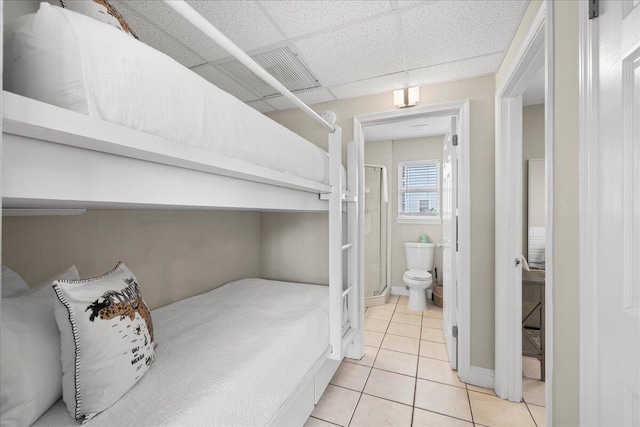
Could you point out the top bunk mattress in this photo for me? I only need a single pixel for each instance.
(229, 357)
(72, 61)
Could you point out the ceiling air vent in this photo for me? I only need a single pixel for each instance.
(282, 63)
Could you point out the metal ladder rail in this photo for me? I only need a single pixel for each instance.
(340, 337)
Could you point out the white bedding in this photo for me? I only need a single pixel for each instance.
(102, 72)
(230, 357)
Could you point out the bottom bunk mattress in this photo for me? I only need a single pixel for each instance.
(231, 356)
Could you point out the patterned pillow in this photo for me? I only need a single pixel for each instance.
(101, 10)
(106, 339)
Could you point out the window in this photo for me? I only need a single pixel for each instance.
(419, 190)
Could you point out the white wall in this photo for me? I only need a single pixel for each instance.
(481, 92)
(174, 254)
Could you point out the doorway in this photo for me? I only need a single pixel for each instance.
(524, 326)
(456, 304)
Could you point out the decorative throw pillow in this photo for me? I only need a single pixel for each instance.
(106, 339)
(31, 374)
(101, 10)
(12, 283)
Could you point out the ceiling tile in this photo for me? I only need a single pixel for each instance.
(447, 31)
(243, 22)
(177, 27)
(425, 76)
(225, 82)
(464, 69)
(156, 38)
(297, 18)
(280, 103)
(310, 97)
(315, 96)
(354, 53)
(261, 106)
(371, 86)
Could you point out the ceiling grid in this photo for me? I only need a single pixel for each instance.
(353, 48)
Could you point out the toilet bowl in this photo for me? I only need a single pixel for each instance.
(419, 260)
(418, 281)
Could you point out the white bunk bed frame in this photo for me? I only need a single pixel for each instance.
(56, 161)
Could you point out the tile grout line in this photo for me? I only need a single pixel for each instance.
(473, 421)
(530, 414)
(409, 376)
(415, 382)
(329, 422)
(370, 370)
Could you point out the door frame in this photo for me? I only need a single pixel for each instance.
(462, 110)
(588, 199)
(537, 46)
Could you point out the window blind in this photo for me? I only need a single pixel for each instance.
(419, 189)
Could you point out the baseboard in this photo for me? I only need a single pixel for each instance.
(399, 290)
(481, 377)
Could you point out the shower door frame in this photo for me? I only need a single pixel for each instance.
(387, 278)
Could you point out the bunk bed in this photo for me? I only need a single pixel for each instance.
(59, 160)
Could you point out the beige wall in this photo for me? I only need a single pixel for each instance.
(174, 254)
(403, 150)
(295, 246)
(481, 92)
(532, 148)
(15, 8)
(566, 356)
(566, 297)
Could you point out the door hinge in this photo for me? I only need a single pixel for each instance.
(454, 332)
(594, 8)
(454, 140)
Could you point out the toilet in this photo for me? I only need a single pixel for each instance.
(419, 260)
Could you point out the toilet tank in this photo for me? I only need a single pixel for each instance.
(419, 256)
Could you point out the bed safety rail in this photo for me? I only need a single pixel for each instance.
(344, 302)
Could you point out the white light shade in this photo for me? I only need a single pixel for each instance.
(414, 95)
(398, 98)
(406, 97)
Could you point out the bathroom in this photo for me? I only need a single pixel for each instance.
(415, 152)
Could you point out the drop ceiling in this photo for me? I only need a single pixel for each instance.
(352, 48)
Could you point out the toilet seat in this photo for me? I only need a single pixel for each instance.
(421, 275)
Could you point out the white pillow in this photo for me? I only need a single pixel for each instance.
(45, 289)
(106, 340)
(41, 41)
(31, 372)
(12, 283)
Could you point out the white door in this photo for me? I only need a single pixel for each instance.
(449, 241)
(617, 213)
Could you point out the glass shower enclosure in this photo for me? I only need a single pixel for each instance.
(377, 273)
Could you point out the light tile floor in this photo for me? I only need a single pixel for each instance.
(405, 380)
